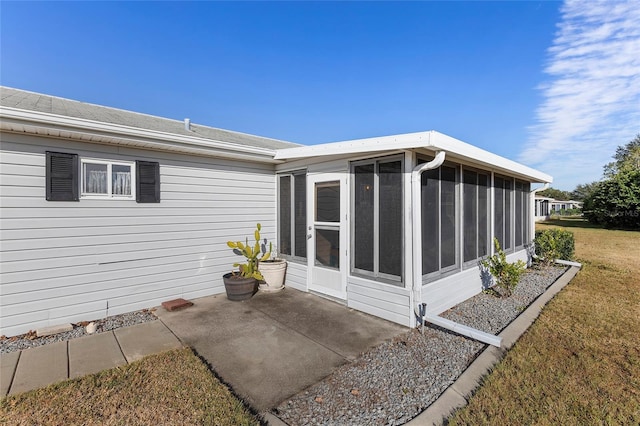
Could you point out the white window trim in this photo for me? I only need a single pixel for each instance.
(292, 174)
(395, 280)
(109, 164)
(446, 271)
(474, 262)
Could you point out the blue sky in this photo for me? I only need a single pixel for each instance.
(514, 78)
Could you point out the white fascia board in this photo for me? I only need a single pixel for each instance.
(473, 153)
(384, 143)
(430, 140)
(133, 136)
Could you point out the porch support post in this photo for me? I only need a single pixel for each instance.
(416, 209)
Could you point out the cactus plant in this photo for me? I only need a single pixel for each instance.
(253, 253)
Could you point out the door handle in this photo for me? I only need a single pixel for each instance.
(308, 236)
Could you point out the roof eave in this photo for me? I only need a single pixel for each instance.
(429, 140)
(17, 120)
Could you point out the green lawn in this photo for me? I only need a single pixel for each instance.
(170, 388)
(579, 364)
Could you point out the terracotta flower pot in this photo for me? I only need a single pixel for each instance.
(239, 288)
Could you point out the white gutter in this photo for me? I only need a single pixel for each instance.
(568, 263)
(490, 339)
(131, 135)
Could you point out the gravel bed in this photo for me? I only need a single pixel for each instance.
(397, 380)
(29, 340)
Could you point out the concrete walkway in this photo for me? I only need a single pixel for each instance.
(275, 345)
(41, 366)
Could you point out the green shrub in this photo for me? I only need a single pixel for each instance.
(507, 275)
(552, 244)
(615, 202)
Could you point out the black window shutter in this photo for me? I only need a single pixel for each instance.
(62, 176)
(147, 182)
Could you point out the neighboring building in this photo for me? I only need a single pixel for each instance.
(542, 209)
(558, 205)
(545, 207)
(107, 211)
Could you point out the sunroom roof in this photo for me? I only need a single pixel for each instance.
(431, 140)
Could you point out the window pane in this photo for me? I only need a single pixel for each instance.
(508, 205)
(300, 217)
(328, 248)
(499, 210)
(483, 216)
(430, 220)
(363, 220)
(120, 180)
(95, 178)
(284, 225)
(328, 202)
(470, 229)
(390, 218)
(519, 211)
(526, 213)
(447, 217)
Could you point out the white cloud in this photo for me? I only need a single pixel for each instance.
(591, 101)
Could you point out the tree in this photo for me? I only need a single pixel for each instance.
(583, 191)
(556, 194)
(615, 201)
(627, 158)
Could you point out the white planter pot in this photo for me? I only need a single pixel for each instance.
(273, 272)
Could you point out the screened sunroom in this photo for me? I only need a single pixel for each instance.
(385, 224)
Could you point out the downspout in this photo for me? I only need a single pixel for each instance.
(421, 311)
(416, 210)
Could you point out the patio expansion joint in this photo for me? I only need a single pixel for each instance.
(115, 336)
(173, 334)
(13, 374)
(68, 360)
(346, 358)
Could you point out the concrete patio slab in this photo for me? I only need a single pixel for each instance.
(276, 345)
(343, 330)
(92, 354)
(8, 364)
(145, 339)
(41, 366)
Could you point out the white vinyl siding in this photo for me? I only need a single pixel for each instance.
(385, 301)
(67, 262)
(451, 290)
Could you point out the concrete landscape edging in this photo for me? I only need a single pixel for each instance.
(457, 395)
